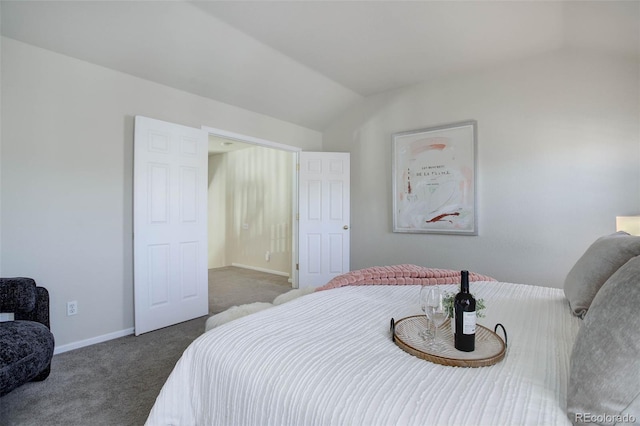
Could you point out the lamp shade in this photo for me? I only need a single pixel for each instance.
(628, 224)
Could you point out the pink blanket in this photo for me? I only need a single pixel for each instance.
(400, 275)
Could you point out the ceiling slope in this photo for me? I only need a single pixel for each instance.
(177, 44)
(307, 61)
(375, 46)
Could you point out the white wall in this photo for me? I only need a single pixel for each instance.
(67, 146)
(253, 189)
(558, 159)
(259, 184)
(5, 316)
(217, 211)
(1, 43)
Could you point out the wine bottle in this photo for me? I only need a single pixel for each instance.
(464, 306)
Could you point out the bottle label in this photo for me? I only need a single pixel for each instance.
(469, 322)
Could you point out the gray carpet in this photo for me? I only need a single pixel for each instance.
(117, 382)
(231, 286)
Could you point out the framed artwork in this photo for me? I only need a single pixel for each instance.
(434, 180)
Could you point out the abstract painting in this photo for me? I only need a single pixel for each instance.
(434, 180)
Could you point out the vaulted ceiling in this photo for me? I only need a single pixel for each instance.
(306, 61)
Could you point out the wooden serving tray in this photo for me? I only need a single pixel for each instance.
(489, 349)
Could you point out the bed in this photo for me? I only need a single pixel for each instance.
(327, 358)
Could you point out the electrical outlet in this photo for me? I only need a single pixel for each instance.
(72, 308)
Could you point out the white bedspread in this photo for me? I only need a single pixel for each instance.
(328, 359)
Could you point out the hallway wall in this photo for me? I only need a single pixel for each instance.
(253, 192)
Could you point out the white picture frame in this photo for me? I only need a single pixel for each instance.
(434, 179)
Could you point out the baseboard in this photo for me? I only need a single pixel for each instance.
(256, 268)
(128, 331)
(92, 341)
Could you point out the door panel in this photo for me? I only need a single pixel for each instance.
(324, 212)
(170, 224)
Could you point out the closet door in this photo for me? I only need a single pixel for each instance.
(169, 223)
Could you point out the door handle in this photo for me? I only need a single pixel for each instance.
(345, 227)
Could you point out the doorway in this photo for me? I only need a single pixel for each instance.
(170, 219)
(252, 204)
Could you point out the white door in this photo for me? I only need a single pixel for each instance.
(324, 211)
(169, 224)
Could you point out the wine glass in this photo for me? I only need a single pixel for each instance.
(426, 333)
(435, 308)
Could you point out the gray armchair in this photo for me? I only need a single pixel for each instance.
(26, 343)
